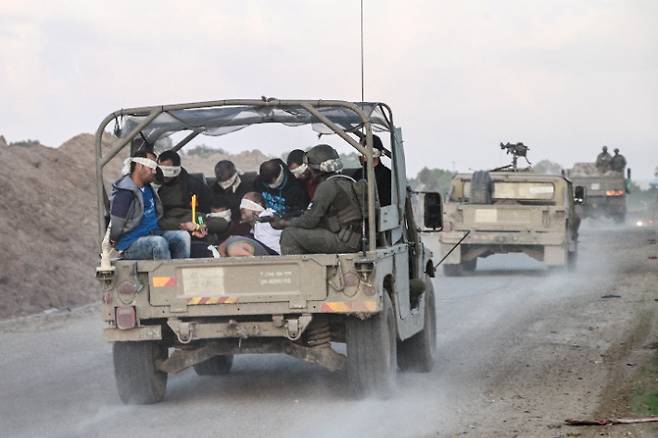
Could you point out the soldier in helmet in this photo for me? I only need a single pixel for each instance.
(332, 222)
(618, 162)
(603, 160)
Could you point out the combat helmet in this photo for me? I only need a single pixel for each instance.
(324, 158)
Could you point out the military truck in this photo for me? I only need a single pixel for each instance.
(489, 213)
(163, 316)
(605, 191)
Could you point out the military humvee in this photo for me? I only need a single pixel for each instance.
(516, 212)
(164, 316)
(606, 191)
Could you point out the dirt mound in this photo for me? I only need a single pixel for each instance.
(46, 227)
(48, 221)
(246, 161)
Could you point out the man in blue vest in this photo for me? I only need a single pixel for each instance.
(135, 209)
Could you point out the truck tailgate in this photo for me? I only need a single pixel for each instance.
(245, 280)
(502, 217)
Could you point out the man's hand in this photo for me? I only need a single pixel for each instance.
(188, 226)
(279, 223)
(197, 230)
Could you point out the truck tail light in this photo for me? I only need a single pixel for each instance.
(614, 193)
(127, 288)
(126, 317)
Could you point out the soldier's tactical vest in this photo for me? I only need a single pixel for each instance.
(347, 211)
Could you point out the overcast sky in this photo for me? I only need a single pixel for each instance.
(563, 76)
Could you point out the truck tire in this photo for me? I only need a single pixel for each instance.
(452, 270)
(418, 352)
(372, 353)
(215, 366)
(135, 370)
(470, 265)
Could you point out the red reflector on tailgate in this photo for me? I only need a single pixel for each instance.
(126, 318)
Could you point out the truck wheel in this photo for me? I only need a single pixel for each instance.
(418, 352)
(372, 353)
(215, 366)
(470, 265)
(138, 379)
(452, 270)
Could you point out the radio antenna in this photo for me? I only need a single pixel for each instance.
(362, 77)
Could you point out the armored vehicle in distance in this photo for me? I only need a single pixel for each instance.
(508, 212)
(605, 191)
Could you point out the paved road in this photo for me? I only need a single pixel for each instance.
(57, 376)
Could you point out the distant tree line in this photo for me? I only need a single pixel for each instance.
(434, 180)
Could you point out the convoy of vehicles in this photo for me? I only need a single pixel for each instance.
(164, 316)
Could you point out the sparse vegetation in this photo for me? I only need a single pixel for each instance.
(547, 167)
(437, 180)
(205, 151)
(25, 143)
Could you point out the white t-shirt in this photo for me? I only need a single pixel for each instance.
(264, 232)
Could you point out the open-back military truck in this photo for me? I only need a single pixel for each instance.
(508, 211)
(605, 191)
(167, 315)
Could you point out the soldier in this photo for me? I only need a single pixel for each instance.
(332, 222)
(618, 162)
(603, 160)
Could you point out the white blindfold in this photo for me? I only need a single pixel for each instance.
(147, 162)
(248, 204)
(299, 169)
(170, 171)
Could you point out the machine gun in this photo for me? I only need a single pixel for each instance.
(517, 150)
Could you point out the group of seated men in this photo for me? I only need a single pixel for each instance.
(305, 205)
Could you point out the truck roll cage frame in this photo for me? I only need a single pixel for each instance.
(341, 117)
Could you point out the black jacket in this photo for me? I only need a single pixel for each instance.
(382, 178)
(290, 198)
(176, 197)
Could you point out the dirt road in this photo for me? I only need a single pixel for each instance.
(520, 350)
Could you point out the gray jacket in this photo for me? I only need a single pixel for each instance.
(127, 207)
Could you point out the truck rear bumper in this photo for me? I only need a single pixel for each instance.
(550, 248)
(503, 238)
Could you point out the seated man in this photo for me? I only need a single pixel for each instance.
(281, 192)
(135, 210)
(178, 188)
(300, 171)
(254, 213)
(382, 173)
(229, 190)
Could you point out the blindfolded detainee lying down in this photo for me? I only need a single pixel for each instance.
(241, 246)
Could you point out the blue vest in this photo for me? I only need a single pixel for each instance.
(148, 225)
